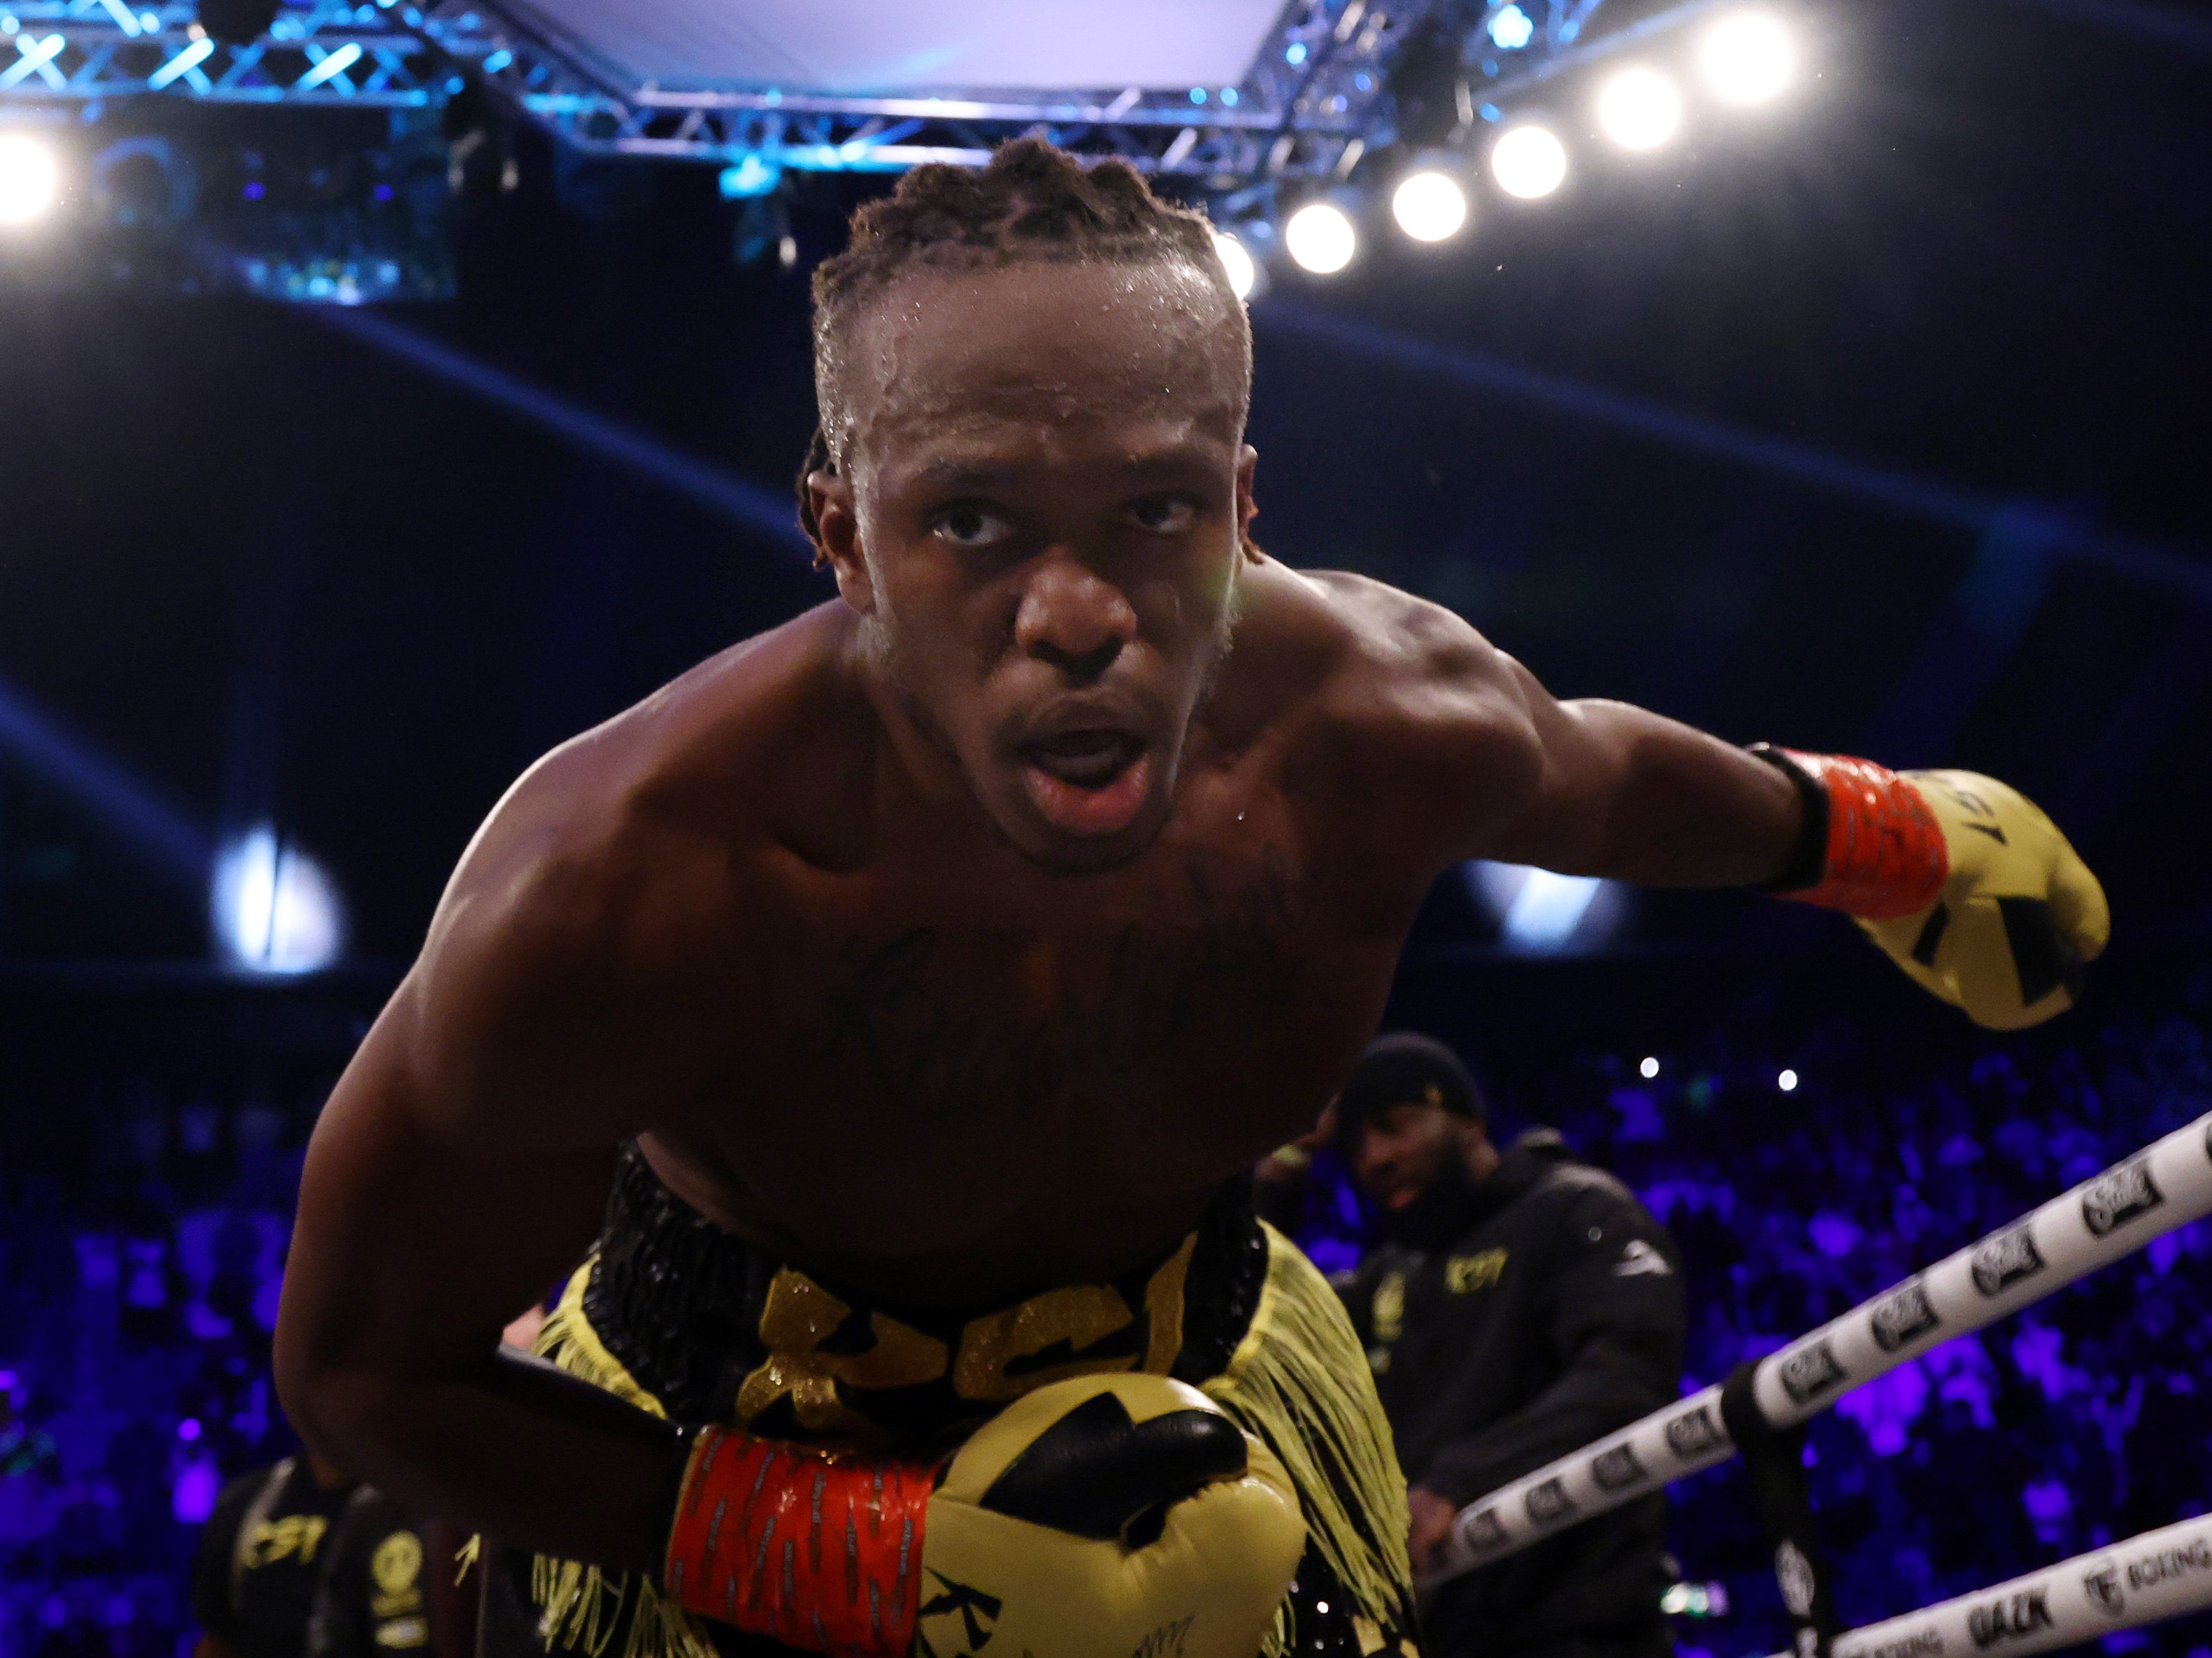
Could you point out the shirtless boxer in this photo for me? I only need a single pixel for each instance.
(921, 977)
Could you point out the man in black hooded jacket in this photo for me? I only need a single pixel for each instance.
(1523, 1304)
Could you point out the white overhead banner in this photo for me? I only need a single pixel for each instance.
(883, 47)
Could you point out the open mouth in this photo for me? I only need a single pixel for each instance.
(1091, 782)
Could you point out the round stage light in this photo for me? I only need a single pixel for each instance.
(1237, 260)
(1512, 28)
(1639, 109)
(1428, 206)
(1320, 238)
(1747, 58)
(1527, 162)
(275, 911)
(29, 178)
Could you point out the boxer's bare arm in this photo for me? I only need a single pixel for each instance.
(1505, 771)
(462, 1164)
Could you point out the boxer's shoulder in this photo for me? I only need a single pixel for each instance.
(1403, 691)
(627, 849)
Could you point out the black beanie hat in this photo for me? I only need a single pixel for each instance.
(1403, 1067)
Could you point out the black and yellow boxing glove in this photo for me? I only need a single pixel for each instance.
(1093, 1518)
(1961, 880)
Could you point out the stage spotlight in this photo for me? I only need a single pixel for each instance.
(1428, 205)
(750, 175)
(1541, 912)
(1237, 260)
(29, 180)
(1649, 1069)
(1747, 58)
(1527, 162)
(275, 911)
(1639, 109)
(1320, 238)
(1512, 28)
(1787, 1081)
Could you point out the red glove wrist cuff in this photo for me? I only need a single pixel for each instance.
(1885, 856)
(818, 1550)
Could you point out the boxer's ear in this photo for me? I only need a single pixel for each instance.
(1248, 508)
(836, 529)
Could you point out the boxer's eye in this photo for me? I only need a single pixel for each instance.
(1164, 515)
(971, 524)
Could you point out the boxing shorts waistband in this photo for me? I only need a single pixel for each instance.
(719, 1329)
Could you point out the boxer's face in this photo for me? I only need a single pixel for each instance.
(1398, 1152)
(1040, 511)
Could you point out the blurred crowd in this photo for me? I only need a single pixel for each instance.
(143, 1230)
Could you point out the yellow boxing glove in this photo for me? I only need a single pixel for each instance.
(1098, 1517)
(1960, 879)
(1054, 1516)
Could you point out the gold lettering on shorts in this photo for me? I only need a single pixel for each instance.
(799, 1317)
(1164, 1302)
(1082, 1315)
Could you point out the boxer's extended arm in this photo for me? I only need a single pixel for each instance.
(1508, 771)
(1965, 885)
(461, 1168)
(1630, 795)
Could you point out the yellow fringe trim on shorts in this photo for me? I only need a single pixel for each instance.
(581, 1607)
(1299, 1382)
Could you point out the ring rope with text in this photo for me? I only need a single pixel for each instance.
(2145, 1580)
(2164, 1186)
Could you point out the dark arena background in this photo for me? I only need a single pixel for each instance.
(387, 394)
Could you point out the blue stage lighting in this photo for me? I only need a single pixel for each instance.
(1512, 28)
(1198, 95)
(749, 176)
(1542, 912)
(276, 911)
(1295, 53)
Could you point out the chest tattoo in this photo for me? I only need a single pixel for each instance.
(920, 1008)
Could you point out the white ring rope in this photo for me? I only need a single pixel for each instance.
(2167, 1185)
(2145, 1580)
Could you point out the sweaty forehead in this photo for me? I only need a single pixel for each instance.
(946, 354)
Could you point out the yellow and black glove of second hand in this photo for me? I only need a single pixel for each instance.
(1963, 882)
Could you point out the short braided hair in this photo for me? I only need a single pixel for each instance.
(1033, 202)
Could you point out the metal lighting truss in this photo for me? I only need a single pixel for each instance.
(1314, 102)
